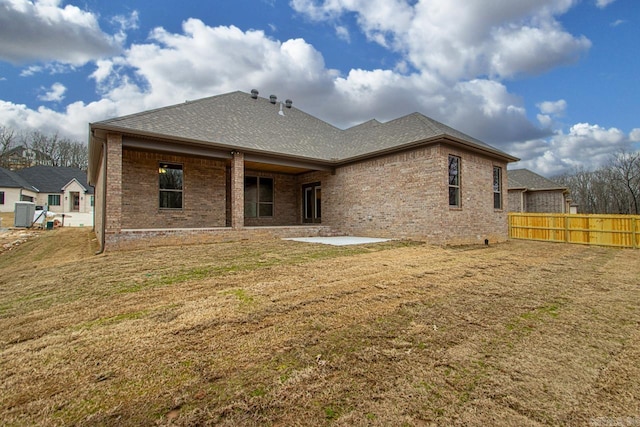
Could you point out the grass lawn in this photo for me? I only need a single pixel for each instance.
(282, 333)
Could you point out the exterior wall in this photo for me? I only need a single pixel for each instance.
(545, 201)
(285, 201)
(13, 195)
(516, 198)
(66, 200)
(402, 195)
(477, 219)
(85, 198)
(203, 197)
(405, 195)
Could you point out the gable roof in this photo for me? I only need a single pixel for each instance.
(68, 184)
(238, 121)
(10, 179)
(524, 179)
(52, 179)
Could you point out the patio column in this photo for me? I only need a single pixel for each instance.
(237, 190)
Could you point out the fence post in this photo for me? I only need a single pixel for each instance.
(566, 228)
(634, 225)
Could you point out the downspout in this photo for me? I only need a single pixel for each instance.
(104, 200)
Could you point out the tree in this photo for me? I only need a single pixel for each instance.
(613, 188)
(7, 141)
(625, 175)
(48, 149)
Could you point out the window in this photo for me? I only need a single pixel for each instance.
(258, 197)
(170, 186)
(93, 201)
(454, 181)
(1, 197)
(497, 187)
(53, 200)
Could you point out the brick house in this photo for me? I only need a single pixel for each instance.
(237, 165)
(530, 192)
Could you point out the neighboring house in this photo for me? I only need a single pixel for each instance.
(237, 164)
(13, 188)
(60, 189)
(530, 192)
(23, 157)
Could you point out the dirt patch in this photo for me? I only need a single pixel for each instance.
(287, 333)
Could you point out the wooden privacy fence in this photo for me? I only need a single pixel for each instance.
(621, 231)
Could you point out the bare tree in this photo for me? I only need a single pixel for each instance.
(7, 142)
(47, 149)
(614, 188)
(625, 175)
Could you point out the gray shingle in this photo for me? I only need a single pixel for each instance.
(51, 179)
(236, 120)
(10, 179)
(526, 179)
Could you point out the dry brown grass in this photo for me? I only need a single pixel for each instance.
(6, 219)
(285, 333)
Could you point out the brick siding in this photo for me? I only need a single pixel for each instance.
(405, 195)
(402, 195)
(545, 202)
(203, 198)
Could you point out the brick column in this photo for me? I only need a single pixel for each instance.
(237, 190)
(113, 214)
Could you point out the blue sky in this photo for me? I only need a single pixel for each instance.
(554, 82)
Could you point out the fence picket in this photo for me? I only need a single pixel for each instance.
(585, 229)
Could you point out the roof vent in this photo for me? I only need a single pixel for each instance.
(288, 103)
(254, 93)
(273, 99)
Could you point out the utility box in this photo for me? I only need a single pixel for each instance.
(23, 214)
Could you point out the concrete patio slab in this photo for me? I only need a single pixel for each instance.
(339, 240)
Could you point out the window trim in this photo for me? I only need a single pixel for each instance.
(258, 203)
(457, 187)
(497, 192)
(170, 165)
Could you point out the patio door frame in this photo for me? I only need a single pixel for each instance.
(312, 203)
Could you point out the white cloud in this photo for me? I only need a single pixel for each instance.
(462, 40)
(201, 60)
(42, 30)
(584, 145)
(71, 122)
(343, 33)
(553, 107)
(54, 94)
(603, 3)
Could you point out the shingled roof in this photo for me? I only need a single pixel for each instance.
(237, 121)
(10, 179)
(524, 179)
(51, 179)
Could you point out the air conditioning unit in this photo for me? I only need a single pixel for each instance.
(23, 214)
